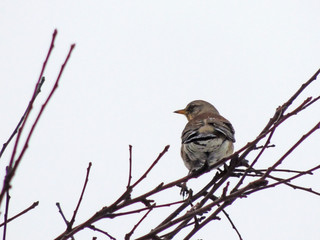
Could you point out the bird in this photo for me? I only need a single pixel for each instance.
(207, 137)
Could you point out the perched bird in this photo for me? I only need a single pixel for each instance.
(207, 137)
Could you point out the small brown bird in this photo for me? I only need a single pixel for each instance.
(207, 137)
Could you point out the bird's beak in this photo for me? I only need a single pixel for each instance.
(182, 111)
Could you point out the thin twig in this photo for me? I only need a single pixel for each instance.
(62, 214)
(312, 102)
(232, 224)
(207, 220)
(146, 208)
(55, 32)
(284, 180)
(81, 196)
(254, 161)
(12, 168)
(278, 114)
(101, 231)
(301, 89)
(129, 234)
(151, 167)
(275, 170)
(130, 167)
(259, 173)
(126, 194)
(296, 186)
(38, 90)
(21, 213)
(304, 137)
(118, 204)
(263, 146)
(6, 215)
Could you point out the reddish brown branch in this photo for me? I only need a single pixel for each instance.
(304, 137)
(151, 167)
(38, 90)
(232, 224)
(310, 171)
(259, 173)
(129, 234)
(278, 114)
(6, 215)
(130, 167)
(10, 171)
(207, 220)
(153, 206)
(33, 97)
(80, 199)
(120, 203)
(13, 165)
(35, 204)
(182, 217)
(101, 231)
(62, 214)
(254, 161)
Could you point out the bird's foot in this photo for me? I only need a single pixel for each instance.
(185, 191)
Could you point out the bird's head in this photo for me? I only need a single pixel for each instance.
(197, 107)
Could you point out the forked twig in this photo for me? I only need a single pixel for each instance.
(304, 137)
(151, 167)
(13, 165)
(120, 203)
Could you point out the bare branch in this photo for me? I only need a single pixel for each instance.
(197, 210)
(21, 213)
(130, 167)
(304, 137)
(146, 208)
(6, 215)
(152, 165)
(129, 234)
(287, 180)
(33, 97)
(13, 165)
(121, 202)
(38, 90)
(62, 214)
(81, 196)
(101, 231)
(232, 224)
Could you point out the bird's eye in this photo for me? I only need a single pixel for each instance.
(191, 108)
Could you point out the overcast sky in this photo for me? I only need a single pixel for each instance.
(135, 62)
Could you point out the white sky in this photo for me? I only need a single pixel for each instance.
(135, 62)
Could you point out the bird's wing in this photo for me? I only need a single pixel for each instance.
(223, 126)
(190, 131)
(220, 126)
